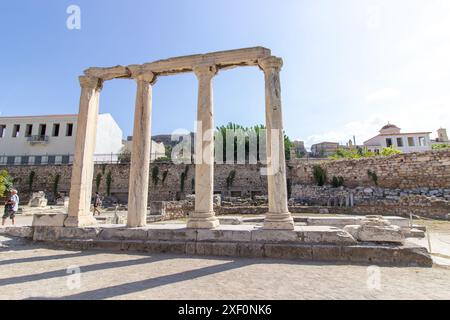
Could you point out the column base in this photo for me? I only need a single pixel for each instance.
(80, 221)
(210, 222)
(278, 221)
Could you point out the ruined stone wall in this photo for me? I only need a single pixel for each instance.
(400, 176)
(247, 181)
(404, 171)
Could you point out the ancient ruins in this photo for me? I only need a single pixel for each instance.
(205, 67)
(276, 234)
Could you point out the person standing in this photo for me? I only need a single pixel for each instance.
(11, 207)
(97, 203)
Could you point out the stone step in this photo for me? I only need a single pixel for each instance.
(352, 254)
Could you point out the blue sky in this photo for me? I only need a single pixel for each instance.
(349, 65)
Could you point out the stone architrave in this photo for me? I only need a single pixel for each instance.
(83, 165)
(140, 155)
(278, 216)
(203, 217)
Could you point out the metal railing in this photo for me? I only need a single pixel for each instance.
(66, 159)
(37, 139)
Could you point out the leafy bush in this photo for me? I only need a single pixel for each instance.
(230, 179)
(440, 146)
(155, 175)
(320, 175)
(6, 182)
(353, 153)
(337, 182)
(109, 180)
(56, 184)
(31, 177)
(164, 176)
(389, 151)
(98, 180)
(373, 176)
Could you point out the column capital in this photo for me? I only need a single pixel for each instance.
(91, 82)
(271, 62)
(147, 76)
(205, 70)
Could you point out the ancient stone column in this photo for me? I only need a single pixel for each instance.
(140, 153)
(278, 216)
(83, 165)
(203, 217)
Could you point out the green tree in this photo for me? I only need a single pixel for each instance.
(31, 177)
(320, 175)
(98, 181)
(6, 182)
(155, 175)
(109, 180)
(221, 132)
(56, 180)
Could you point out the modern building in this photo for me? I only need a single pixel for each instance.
(157, 149)
(299, 148)
(324, 149)
(391, 136)
(51, 139)
(442, 137)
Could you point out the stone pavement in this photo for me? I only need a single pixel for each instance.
(30, 271)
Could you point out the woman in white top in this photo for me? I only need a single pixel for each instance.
(11, 207)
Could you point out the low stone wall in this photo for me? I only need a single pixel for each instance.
(425, 202)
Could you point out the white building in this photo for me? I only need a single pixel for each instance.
(157, 149)
(51, 139)
(390, 135)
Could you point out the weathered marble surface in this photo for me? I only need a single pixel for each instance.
(203, 216)
(140, 156)
(278, 216)
(222, 59)
(376, 229)
(51, 220)
(83, 164)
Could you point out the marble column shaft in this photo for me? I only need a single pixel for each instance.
(83, 165)
(278, 216)
(140, 154)
(203, 217)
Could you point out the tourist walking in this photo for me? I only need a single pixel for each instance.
(97, 203)
(11, 207)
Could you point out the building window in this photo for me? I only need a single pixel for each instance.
(411, 142)
(65, 159)
(29, 130)
(10, 160)
(42, 129)
(69, 129)
(2, 131)
(55, 130)
(388, 142)
(24, 159)
(422, 141)
(37, 160)
(51, 159)
(16, 131)
(400, 142)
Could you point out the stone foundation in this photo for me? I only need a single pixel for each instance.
(314, 243)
